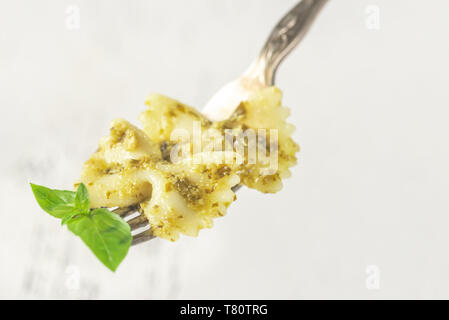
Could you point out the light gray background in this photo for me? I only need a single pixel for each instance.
(370, 108)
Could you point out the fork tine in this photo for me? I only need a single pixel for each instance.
(142, 237)
(236, 187)
(126, 211)
(137, 222)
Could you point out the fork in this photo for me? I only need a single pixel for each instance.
(284, 37)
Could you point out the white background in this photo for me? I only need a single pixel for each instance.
(370, 108)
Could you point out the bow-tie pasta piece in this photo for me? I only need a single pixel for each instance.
(187, 197)
(113, 173)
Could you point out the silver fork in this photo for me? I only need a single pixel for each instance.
(285, 36)
(138, 223)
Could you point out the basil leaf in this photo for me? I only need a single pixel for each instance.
(67, 217)
(105, 233)
(82, 201)
(55, 202)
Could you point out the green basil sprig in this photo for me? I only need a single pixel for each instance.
(104, 232)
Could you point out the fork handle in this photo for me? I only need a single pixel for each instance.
(285, 36)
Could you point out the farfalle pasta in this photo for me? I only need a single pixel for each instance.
(181, 169)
